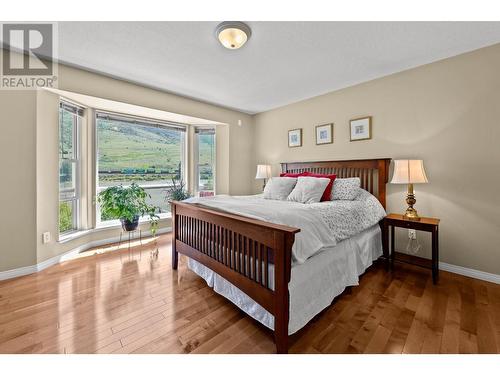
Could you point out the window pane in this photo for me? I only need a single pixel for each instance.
(158, 198)
(147, 155)
(205, 178)
(206, 162)
(66, 134)
(67, 178)
(68, 166)
(66, 222)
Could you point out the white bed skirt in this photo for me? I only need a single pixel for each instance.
(313, 284)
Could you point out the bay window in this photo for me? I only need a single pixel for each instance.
(148, 152)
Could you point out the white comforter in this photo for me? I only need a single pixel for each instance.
(321, 224)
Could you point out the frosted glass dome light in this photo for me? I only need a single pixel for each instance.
(233, 34)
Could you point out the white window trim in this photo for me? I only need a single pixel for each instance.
(77, 129)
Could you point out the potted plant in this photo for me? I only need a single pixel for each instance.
(127, 204)
(177, 192)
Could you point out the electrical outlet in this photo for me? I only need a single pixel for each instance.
(412, 234)
(46, 237)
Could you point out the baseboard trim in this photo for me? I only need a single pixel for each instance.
(9, 274)
(475, 274)
(16, 272)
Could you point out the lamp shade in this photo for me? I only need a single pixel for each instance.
(263, 171)
(409, 172)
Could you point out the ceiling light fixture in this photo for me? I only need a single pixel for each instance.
(233, 34)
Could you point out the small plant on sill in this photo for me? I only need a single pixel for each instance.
(177, 192)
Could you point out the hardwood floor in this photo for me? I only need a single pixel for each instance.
(118, 302)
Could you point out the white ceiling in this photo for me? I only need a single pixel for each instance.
(283, 62)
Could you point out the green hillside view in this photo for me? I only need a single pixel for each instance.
(129, 152)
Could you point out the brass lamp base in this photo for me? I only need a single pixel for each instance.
(411, 213)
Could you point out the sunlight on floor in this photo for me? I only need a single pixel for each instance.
(148, 243)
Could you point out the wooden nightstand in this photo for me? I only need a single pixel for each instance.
(425, 224)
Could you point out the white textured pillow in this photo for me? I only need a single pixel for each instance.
(308, 189)
(279, 188)
(346, 189)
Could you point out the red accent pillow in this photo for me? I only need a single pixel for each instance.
(292, 174)
(328, 190)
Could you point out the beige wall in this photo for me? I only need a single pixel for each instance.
(17, 185)
(447, 113)
(47, 174)
(28, 148)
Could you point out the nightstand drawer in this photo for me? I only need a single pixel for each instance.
(424, 224)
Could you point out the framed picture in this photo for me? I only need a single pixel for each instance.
(295, 138)
(324, 134)
(361, 128)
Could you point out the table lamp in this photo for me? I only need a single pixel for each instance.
(263, 173)
(409, 172)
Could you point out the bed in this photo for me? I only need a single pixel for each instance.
(266, 268)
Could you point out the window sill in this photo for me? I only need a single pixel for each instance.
(117, 223)
(108, 225)
(73, 235)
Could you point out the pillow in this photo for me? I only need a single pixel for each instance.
(346, 188)
(328, 190)
(279, 188)
(308, 189)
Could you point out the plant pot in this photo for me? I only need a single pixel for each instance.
(128, 225)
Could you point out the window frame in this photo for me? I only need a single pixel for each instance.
(141, 121)
(77, 112)
(196, 163)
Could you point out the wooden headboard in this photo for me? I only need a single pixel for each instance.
(374, 173)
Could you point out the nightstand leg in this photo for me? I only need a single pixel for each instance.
(435, 255)
(385, 242)
(393, 249)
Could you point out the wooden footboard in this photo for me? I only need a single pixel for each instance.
(240, 250)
